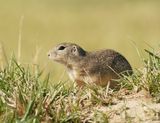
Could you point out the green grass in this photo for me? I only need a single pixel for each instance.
(27, 96)
(147, 77)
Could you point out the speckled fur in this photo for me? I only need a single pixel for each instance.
(98, 67)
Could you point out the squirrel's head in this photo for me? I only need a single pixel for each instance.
(66, 53)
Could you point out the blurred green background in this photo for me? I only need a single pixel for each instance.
(93, 24)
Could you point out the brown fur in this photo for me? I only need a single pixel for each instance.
(97, 67)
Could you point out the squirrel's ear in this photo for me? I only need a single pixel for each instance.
(74, 50)
(78, 51)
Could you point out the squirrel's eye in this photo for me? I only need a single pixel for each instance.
(61, 48)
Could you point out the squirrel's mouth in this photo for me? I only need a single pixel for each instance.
(54, 56)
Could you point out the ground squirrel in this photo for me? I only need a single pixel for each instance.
(98, 67)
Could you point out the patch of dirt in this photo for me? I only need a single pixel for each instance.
(135, 107)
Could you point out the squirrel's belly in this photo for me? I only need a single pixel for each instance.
(87, 78)
(76, 76)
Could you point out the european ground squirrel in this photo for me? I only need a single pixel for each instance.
(99, 67)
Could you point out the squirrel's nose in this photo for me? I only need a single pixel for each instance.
(49, 54)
